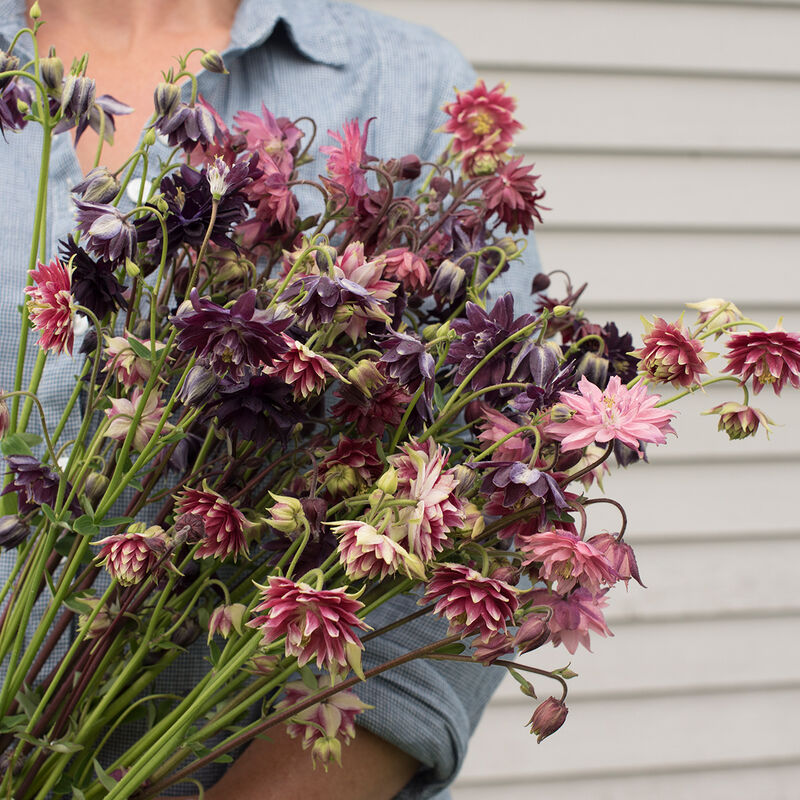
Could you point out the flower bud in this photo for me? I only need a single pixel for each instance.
(561, 412)
(365, 376)
(406, 168)
(166, 98)
(224, 619)
(13, 531)
(508, 246)
(466, 478)
(98, 186)
(52, 70)
(95, 486)
(149, 138)
(287, 515)
(540, 283)
(7, 63)
(561, 311)
(594, 368)
(5, 419)
(188, 631)
(35, 12)
(532, 633)
(22, 106)
(262, 664)
(448, 280)
(548, 718)
(387, 482)
(77, 97)
(198, 387)
(211, 61)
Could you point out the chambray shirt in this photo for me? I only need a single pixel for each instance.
(332, 62)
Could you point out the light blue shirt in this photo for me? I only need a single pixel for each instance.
(332, 62)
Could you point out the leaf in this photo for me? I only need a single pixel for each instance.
(113, 522)
(63, 544)
(28, 699)
(77, 604)
(454, 649)
(49, 513)
(105, 779)
(525, 685)
(14, 445)
(63, 746)
(141, 350)
(223, 759)
(77, 794)
(84, 526)
(9, 724)
(438, 397)
(308, 677)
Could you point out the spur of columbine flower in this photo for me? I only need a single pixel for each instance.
(617, 413)
(318, 623)
(770, 358)
(51, 306)
(471, 603)
(122, 412)
(132, 556)
(669, 355)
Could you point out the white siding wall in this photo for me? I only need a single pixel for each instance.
(668, 138)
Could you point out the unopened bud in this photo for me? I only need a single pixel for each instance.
(166, 98)
(95, 486)
(466, 478)
(287, 514)
(5, 420)
(540, 282)
(149, 138)
(188, 631)
(35, 11)
(387, 482)
(198, 387)
(212, 62)
(52, 71)
(224, 619)
(548, 718)
(594, 368)
(77, 97)
(532, 633)
(22, 106)
(13, 531)
(131, 268)
(98, 186)
(508, 246)
(161, 204)
(561, 311)
(365, 376)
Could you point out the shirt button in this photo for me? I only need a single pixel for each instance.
(134, 185)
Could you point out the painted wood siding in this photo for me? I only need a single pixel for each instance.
(668, 138)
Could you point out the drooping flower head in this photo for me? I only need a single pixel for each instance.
(318, 623)
(186, 125)
(34, 483)
(619, 554)
(740, 421)
(94, 284)
(626, 415)
(364, 552)
(574, 616)
(471, 603)
(512, 194)
(548, 718)
(128, 368)
(669, 355)
(770, 358)
(409, 268)
(717, 313)
(123, 411)
(304, 370)
(51, 306)
(109, 233)
(131, 557)
(352, 465)
(345, 168)
(11, 96)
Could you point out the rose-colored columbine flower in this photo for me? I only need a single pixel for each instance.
(548, 718)
(494, 428)
(471, 603)
(225, 527)
(717, 311)
(567, 560)
(128, 368)
(669, 355)
(345, 162)
(513, 195)
(122, 412)
(322, 726)
(51, 306)
(409, 268)
(364, 552)
(131, 557)
(351, 465)
(304, 370)
(317, 623)
(740, 421)
(224, 618)
(619, 554)
(617, 413)
(770, 358)
(573, 616)
(278, 138)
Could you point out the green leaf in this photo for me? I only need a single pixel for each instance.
(64, 543)
(14, 444)
(9, 724)
(49, 513)
(525, 685)
(105, 779)
(141, 350)
(308, 677)
(454, 649)
(28, 700)
(77, 794)
(84, 526)
(63, 746)
(113, 522)
(78, 604)
(223, 759)
(438, 397)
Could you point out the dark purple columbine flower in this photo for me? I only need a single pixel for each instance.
(518, 480)
(190, 203)
(11, 118)
(94, 284)
(103, 106)
(410, 364)
(108, 232)
(321, 296)
(539, 364)
(231, 341)
(77, 96)
(34, 483)
(481, 333)
(8, 62)
(98, 186)
(187, 126)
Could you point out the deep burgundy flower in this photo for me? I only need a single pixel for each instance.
(34, 483)
(132, 556)
(481, 333)
(770, 358)
(231, 341)
(512, 194)
(225, 527)
(350, 466)
(11, 118)
(669, 355)
(109, 233)
(94, 284)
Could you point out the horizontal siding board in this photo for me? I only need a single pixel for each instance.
(638, 734)
(717, 38)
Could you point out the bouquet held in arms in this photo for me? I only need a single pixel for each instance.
(286, 421)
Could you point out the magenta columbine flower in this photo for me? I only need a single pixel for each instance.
(122, 412)
(51, 307)
(224, 619)
(567, 561)
(231, 341)
(619, 554)
(132, 556)
(345, 162)
(353, 464)
(740, 421)
(513, 195)
(409, 268)
(128, 368)
(225, 527)
(617, 413)
(277, 138)
(471, 603)
(304, 370)
(770, 358)
(574, 616)
(317, 623)
(364, 552)
(669, 355)
(548, 718)
(322, 726)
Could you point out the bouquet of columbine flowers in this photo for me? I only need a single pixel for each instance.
(286, 421)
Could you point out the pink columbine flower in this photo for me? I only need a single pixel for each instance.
(364, 552)
(482, 120)
(495, 427)
(619, 554)
(471, 603)
(740, 421)
(574, 616)
(669, 355)
(513, 195)
(224, 619)
(409, 268)
(304, 370)
(317, 623)
(128, 368)
(616, 413)
(768, 357)
(51, 306)
(548, 718)
(122, 412)
(225, 527)
(322, 726)
(266, 135)
(345, 161)
(566, 561)
(131, 557)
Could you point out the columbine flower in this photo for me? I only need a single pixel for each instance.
(573, 616)
(51, 307)
(717, 311)
(304, 370)
(128, 368)
(322, 725)
(740, 421)
(13, 531)
(668, 355)
(122, 412)
(77, 96)
(409, 268)
(471, 603)
(131, 557)
(99, 185)
(94, 284)
(225, 527)
(231, 341)
(345, 162)
(768, 357)
(548, 718)
(223, 619)
(12, 97)
(481, 120)
(618, 413)
(109, 233)
(279, 139)
(513, 195)
(186, 125)
(494, 427)
(518, 481)
(287, 515)
(353, 464)
(410, 364)
(364, 552)
(317, 623)
(34, 483)
(619, 554)
(567, 561)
